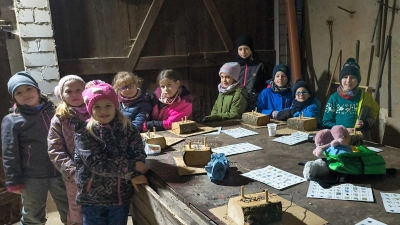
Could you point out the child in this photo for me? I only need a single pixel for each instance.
(28, 169)
(349, 105)
(109, 156)
(231, 101)
(253, 72)
(132, 102)
(61, 145)
(278, 95)
(304, 103)
(171, 102)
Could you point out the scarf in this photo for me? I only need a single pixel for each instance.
(231, 87)
(82, 109)
(169, 101)
(347, 94)
(277, 89)
(128, 101)
(298, 106)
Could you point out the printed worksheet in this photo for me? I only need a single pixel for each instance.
(274, 177)
(236, 149)
(370, 221)
(293, 139)
(239, 132)
(391, 201)
(349, 192)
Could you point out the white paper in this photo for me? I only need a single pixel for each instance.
(293, 139)
(391, 202)
(274, 177)
(215, 132)
(348, 192)
(239, 132)
(375, 149)
(370, 221)
(236, 149)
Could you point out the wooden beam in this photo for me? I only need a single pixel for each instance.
(223, 33)
(88, 66)
(143, 34)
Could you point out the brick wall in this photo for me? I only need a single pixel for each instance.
(37, 42)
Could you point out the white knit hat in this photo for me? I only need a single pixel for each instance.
(59, 88)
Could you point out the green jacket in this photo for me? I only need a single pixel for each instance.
(229, 105)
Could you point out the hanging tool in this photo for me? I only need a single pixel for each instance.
(351, 12)
(371, 58)
(357, 51)
(330, 24)
(331, 81)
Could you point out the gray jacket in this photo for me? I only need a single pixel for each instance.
(24, 145)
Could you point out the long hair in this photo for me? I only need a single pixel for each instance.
(126, 123)
(63, 110)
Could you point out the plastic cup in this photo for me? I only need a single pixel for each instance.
(271, 129)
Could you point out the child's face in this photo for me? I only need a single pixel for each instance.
(103, 111)
(349, 82)
(226, 80)
(244, 51)
(27, 95)
(302, 94)
(72, 93)
(169, 87)
(280, 79)
(128, 91)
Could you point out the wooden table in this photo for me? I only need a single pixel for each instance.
(201, 194)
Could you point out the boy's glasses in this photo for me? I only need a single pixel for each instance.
(301, 93)
(124, 88)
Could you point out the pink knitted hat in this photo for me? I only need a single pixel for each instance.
(232, 69)
(98, 92)
(58, 90)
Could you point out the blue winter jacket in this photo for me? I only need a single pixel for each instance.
(268, 101)
(312, 110)
(139, 111)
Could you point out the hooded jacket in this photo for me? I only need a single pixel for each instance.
(268, 101)
(61, 144)
(105, 167)
(24, 144)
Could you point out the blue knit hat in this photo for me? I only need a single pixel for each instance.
(283, 68)
(19, 79)
(350, 68)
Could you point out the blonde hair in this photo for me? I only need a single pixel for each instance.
(126, 123)
(123, 78)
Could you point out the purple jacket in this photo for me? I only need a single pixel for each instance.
(61, 145)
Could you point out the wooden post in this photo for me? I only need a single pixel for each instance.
(205, 141)
(148, 134)
(242, 191)
(190, 144)
(154, 130)
(266, 195)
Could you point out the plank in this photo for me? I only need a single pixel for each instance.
(212, 10)
(179, 27)
(192, 26)
(124, 24)
(142, 35)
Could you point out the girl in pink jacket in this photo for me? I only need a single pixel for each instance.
(171, 102)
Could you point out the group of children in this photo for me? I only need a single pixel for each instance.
(95, 155)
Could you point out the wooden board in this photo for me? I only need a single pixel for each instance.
(278, 123)
(186, 170)
(201, 129)
(293, 215)
(288, 131)
(173, 140)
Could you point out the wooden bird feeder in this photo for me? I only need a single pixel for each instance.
(302, 123)
(255, 118)
(197, 155)
(154, 138)
(261, 207)
(184, 126)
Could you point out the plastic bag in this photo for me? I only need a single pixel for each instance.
(217, 167)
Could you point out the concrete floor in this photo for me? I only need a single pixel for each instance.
(53, 217)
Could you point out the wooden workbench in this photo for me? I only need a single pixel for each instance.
(200, 194)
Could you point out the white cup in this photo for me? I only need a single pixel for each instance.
(151, 149)
(271, 129)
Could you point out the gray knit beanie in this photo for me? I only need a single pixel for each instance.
(19, 79)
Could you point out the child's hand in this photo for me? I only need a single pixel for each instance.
(19, 192)
(359, 124)
(274, 114)
(141, 179)
(141, 167)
